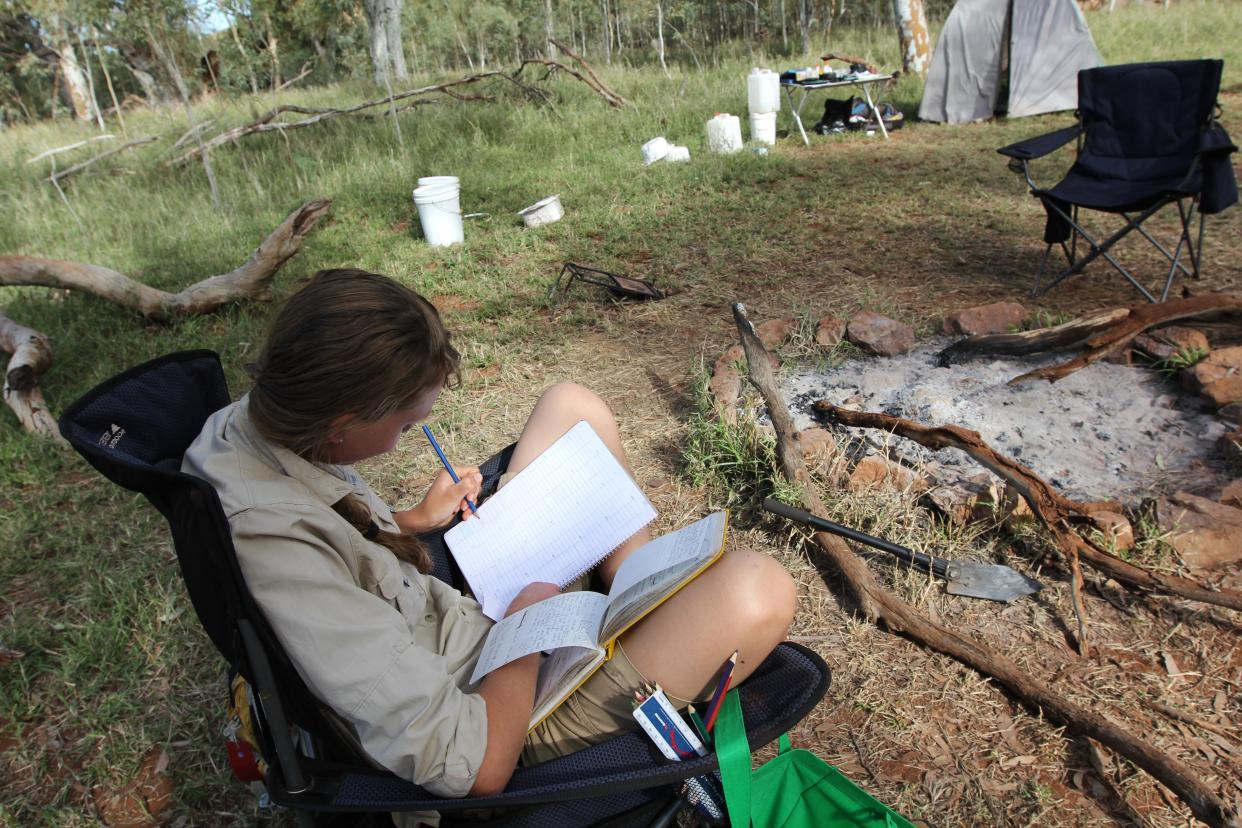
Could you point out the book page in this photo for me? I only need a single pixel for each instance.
(571, 619)
(559, 676)
(659, 568)
(557, 518)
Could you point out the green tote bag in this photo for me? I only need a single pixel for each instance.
(797, 789)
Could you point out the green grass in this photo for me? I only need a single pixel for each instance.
(113, 659)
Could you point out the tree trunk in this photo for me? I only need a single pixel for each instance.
(273, 44)
(377, 20)
(396, 48)
(784, 31)
(912, 34)
(606, 19)
(804, 25)
(254, 82)
(660, 35)
(74, 84)
(549, 30)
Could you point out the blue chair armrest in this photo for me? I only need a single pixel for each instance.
(1041, 145)
(1215, 141)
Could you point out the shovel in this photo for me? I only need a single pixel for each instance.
(994, 582)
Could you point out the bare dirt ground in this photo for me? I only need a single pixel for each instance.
(924, 734)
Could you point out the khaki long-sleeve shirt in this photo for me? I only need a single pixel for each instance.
(388, 648)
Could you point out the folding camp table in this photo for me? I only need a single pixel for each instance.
(806, 87)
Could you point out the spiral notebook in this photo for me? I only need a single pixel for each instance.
(557, 518)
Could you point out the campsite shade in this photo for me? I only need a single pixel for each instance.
(1048, 43)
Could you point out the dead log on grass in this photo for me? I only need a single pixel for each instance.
(1055, 511)
(879, 605)
(57, 177)
(267, 121)
(1102, 334)
(31, 350)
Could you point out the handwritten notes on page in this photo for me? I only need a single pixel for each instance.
(558, 517)
(567, 620)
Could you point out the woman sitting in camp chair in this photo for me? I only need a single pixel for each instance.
(351, 362)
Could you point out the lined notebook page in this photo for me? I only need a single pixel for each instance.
(557, 518)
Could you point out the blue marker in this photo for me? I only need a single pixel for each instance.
(447, 467)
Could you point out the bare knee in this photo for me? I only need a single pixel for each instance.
(572, 398)
(763, 598)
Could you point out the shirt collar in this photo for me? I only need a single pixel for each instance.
(325, 480)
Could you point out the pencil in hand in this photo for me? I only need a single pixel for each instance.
(447, 466)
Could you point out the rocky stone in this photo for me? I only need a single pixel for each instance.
(1231, 495)
(879, 334)
(1231, 412)
(1203, 532)
(829, 331)
(997, 317)
(735, 356)
(1116, 529)
(818, 445)
(1014, 509)
(873, 472)
(774, 332)
(964, 500)
(1166, 343)
(143, 802)
(1218, 379)
(725, 386)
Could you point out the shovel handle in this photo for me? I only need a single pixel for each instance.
(921, 560)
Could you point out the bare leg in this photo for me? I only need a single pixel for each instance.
(558, 410)
(744, 602)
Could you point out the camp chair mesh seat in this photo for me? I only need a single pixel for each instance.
(135, 427)
(1147, 138)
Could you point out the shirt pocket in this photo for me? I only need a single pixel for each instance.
(382, 576)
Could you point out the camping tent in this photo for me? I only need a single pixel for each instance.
(1032, 48)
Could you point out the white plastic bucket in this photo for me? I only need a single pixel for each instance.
(544, 211)
(429, 180)
(654, 150)
(763, 91)
(724, 133)
(439, 213)
(763, 127)
(676, 152)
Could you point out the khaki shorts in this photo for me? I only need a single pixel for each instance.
(602, 707)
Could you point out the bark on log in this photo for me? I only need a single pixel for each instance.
(1102, 334)
(250, 280)
(32, 354)
(1055, 511)
(882, 606)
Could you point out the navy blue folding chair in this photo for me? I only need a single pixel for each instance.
(1147, 137)
(135, 427)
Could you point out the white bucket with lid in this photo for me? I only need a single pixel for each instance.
(544, 211)
(439, 211)
(724, 133)
(763, 127)
(676, 152)
(763, 91)
(428, 180)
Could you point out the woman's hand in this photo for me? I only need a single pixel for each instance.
(531, 594)
(443, 501)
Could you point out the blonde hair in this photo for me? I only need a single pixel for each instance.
(349, 342)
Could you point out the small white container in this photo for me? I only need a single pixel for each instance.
(429, 180)
(763, 128)
(676, 152)
(724, 133)
(544, 211)
(763, 91)
(655, 149)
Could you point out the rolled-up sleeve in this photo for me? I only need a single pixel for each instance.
(357, 653)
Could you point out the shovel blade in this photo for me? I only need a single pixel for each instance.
(992, 582)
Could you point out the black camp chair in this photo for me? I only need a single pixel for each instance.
(135, 427)
(1147, 137)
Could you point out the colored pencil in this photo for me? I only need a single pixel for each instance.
(447, 466)
(698, 725)
(726, 679)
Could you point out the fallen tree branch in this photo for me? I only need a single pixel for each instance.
(306, 70)
(66, 148)
(57, 177)
(267, 121)
(881, 606)
(32, 353)
(249, 280)
(1054, 510)
(612, 97)
(1102, 334)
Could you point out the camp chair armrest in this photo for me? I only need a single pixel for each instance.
(1041, 145)
(1215, 141)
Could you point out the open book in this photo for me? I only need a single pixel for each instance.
(579, 630)
(570, 508)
